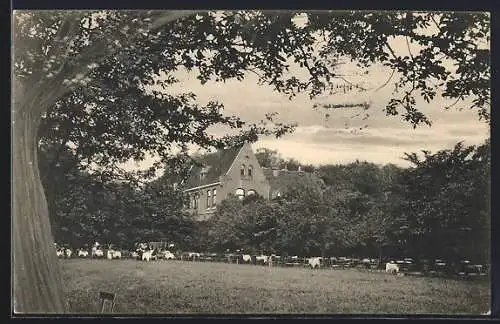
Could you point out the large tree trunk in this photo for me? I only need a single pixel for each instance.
(37, 275)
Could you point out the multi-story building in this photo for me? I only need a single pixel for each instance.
(235, 171)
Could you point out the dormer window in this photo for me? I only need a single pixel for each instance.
(242, 170)
(204, 172)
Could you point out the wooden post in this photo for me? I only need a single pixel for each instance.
(105, 296)
(380, 251)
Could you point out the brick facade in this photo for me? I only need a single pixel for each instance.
(241, 174)
(235, 171)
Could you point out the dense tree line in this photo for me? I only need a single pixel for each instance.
(438, 208)
(272, 159)
(83, 208)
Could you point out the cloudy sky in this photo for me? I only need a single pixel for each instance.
(339, 139)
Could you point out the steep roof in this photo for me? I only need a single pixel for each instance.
(216, 164)
(286, 179)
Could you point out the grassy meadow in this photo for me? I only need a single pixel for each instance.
(183, 287)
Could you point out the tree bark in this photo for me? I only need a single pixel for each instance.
(37, 285)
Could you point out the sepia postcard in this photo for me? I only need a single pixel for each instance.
(251, 163)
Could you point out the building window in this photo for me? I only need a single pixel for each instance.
(240, 193)
(196, 199)
(250, 171)
(242, 170)
(214, 197)
(209, 198)
(187, 201)
(251, 192)
(204, 172)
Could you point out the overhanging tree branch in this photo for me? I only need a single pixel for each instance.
(54, 88)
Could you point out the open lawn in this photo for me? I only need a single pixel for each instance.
(180, 287)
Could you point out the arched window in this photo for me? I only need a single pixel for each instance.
(251, 192)
(209, 198)
(250, 171)
(240, 193)
(242, 170)
(214, 197)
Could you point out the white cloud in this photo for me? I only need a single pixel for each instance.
(317, 144)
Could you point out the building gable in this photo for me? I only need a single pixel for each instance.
(245, 174)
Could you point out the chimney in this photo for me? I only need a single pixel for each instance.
(219, 159)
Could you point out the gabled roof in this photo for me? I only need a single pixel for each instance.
(287, 179)
(216, 164)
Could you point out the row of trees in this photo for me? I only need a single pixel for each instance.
(272, 159)
(84, 208)
(439, 207)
